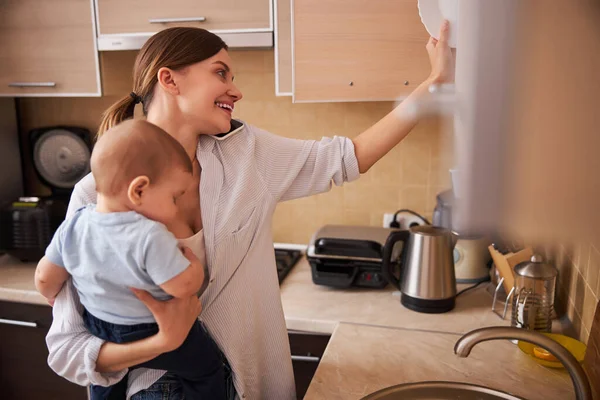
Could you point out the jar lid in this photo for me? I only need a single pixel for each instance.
(536, 269)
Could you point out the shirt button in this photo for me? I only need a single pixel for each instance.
(243, 395)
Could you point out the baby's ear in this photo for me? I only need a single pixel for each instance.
(137, 189)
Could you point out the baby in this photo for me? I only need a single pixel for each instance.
(121, 242)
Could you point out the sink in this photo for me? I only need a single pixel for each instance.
(439, 391)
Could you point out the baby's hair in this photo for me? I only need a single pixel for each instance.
(135, 148)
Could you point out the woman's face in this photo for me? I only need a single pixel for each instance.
(207, 94)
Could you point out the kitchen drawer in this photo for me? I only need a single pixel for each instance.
(24, 372)
(143, 16)
(307, 350)
(48, 49)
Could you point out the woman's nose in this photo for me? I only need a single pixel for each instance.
(235, 92)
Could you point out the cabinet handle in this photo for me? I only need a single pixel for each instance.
(18, 323)
(171, 20)
(32, 84)
(306, 358)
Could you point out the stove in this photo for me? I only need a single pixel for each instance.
(285, 260)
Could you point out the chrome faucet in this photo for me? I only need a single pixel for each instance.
(463, 347)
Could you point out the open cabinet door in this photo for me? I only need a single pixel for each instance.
(528, 116)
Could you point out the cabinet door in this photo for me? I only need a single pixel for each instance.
(48, 48)
(356, 50)
(24, 371)
(307, 350)
(283, 47)
(137, 16)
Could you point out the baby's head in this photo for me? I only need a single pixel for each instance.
(140, 166)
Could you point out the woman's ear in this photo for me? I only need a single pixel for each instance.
(136, 189)
(166, 80)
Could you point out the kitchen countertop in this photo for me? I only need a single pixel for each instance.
(313, 308)
(360, 360)
(16, 282)
(375, 338)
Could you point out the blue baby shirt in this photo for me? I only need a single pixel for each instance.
(106, 253)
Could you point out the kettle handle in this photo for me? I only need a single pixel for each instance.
(397, 236)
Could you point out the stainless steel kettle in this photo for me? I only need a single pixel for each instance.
(427, 279)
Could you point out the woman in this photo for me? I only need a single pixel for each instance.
(183, 79)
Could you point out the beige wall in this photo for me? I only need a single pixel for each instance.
(408, 177)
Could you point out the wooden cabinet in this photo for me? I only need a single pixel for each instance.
(48, 48)
(24, 372)
(142, 16)
(307, 350)
(356, 50)
(283, 47)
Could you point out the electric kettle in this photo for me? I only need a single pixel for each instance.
(427, 281)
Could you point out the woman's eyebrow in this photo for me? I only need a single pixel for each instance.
(224, 65)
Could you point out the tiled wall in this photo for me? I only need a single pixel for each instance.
(408, 177)
(578, 289)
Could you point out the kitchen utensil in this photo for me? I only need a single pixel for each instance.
(433, 12)
(344, 256)
(575, 347)
(533, 297)
(504, 262)
(471, 258)
(427, 280)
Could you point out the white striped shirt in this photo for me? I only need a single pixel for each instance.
(243, 178)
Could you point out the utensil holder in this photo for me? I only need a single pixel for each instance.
(505, 264)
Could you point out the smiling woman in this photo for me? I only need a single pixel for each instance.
(187, 48)
(183, 78)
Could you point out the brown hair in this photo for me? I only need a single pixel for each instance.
(135, 148)
(174, 48)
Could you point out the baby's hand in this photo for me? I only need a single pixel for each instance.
(189, 254)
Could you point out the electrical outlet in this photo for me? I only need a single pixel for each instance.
(388, 218)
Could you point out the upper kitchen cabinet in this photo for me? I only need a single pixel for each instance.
(283, 47)
(48, 48)
(356, 50)
(127, 24)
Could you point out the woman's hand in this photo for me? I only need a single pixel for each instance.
(441, 57)
(379, 139)
(174, 317)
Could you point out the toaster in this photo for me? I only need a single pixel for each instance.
(343, 256)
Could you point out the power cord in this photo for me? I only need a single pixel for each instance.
(471, 287)
(396, 224)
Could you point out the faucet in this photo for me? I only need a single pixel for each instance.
(463, 347)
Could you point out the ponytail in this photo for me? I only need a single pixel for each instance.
(118, 112)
